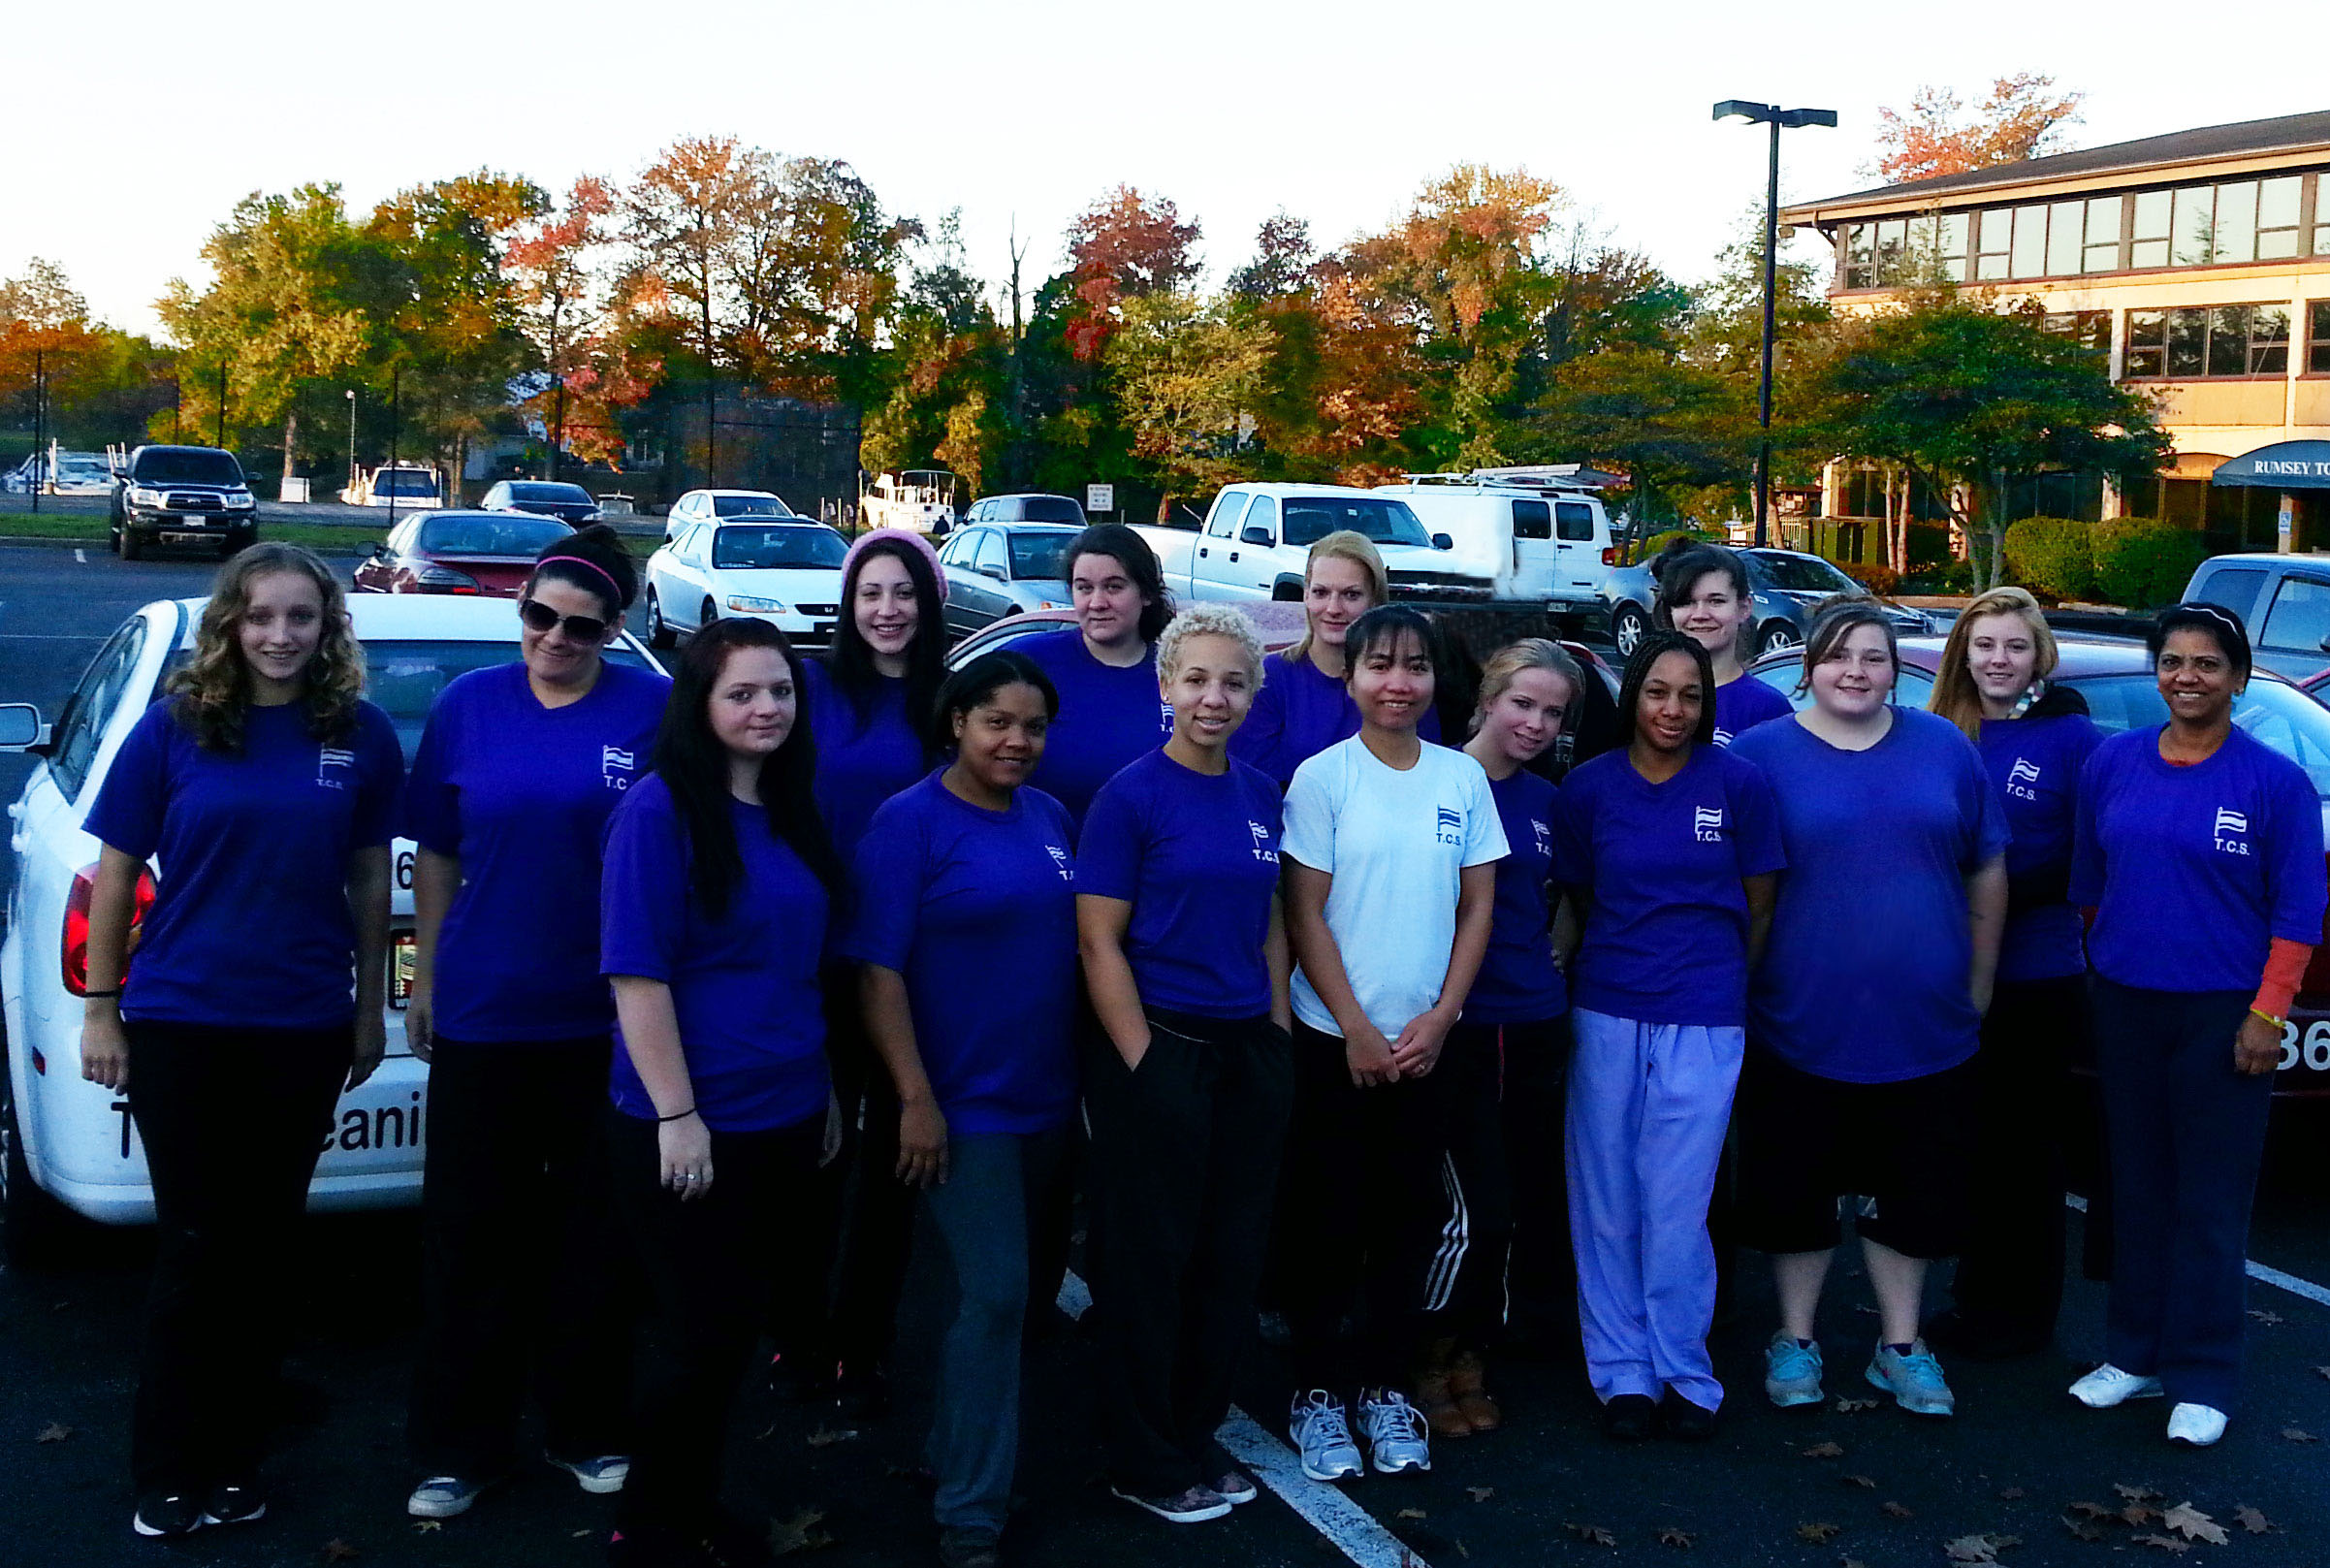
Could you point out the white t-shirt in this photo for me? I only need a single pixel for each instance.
(1395, 843)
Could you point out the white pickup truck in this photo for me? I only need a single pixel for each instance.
(1256, 540)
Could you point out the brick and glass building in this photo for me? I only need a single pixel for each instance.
(2197, 262)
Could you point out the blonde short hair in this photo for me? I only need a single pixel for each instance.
(1529, 653)
(1208, 621)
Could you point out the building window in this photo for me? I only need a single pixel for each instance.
(1994, 233)
(2147, 229)
(2030, 242)
(2218, 342)
(2317, 353)
(2102, 252)
(2090, 328)
(2191, 239)
(2278, 201)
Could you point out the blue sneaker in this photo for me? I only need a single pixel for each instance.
(1792, 1372)
(1915, 1380)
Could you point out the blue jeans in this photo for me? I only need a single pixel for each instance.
(981, 1211)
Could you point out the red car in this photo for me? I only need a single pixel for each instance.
(2115, 675)
(483, 553)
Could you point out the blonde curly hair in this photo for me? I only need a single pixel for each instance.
(213, 688)
(1209, 621)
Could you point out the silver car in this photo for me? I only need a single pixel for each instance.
(999, 569)
(1789, 586)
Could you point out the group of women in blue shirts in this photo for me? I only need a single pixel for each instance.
(765, 957)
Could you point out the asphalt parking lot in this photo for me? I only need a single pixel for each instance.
(1824, 1486)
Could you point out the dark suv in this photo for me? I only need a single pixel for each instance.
(179, 493)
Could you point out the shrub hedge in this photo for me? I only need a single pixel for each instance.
(2135, 561)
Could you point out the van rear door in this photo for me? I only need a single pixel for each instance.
(1581, 540)
(1536, 568)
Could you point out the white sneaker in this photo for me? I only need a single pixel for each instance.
(2197, 1424)
(1322, 1437)
(1395, 1431)
(2107, 1386)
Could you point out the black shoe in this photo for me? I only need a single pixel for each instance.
(1684, 1421)
(234, 1504)
(967, 1545)
(1630, 1418)
(167, 1514)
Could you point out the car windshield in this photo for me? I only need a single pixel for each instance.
(1040, 555)
(750, 506)
(186, 465)
(1311, 518)
(1050, 509)
(757, 549)
(1803, 574)
(551, 492)
(404, 482)
(492, 533)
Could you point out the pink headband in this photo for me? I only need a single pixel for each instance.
(906, 536)
(605, 575)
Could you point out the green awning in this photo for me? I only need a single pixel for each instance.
(2283, 465)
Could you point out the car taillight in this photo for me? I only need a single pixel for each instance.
(445, 580)
(1610, 555)
(76, 955)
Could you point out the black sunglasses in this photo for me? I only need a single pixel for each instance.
(582, 628)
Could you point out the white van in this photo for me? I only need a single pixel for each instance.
(1536, 541)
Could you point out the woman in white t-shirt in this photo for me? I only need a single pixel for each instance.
(1389, 855)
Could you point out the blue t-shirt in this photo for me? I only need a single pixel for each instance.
(2194, 871)
(1108, 718)
(745, 986)
(1662, 867)
(1298, 713)
(520, 794)
(862, 760)
(977, 910)
(1744, 703)
(250, 923)
(1864, 979)
(1518, 981)
(1197, 857)
(2035, 763)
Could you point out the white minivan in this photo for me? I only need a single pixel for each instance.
(1532, 541)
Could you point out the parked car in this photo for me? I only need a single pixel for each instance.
(1028, 508)
(2115, 675)
(785, 572)
(58, 472)
(69, 1144)
(2283, 600)
(711, 505)
(570, 503)
(1788, 586)
(483, 553)
(1537, 543)
(1256, 541)
(182, 495)
(406, 486)
(999, 569)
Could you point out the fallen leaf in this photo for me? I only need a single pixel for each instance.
(1859, 1481)
(1847, 1407)
(1824, 1451)
(2094, 1511)
(2010, 1495)
(800, 1533)
(1482, 1494)
(2084, 1529)
(2137, 1494)
(2298, 1435)
(1818, 1534)
(1895, 1511)
(1673, 1537)
(2193, 1525)
(2139, 1513)
(427, 1526)
(1462, 1550)
(2252, 1520)
(336, 1550)
(826, 1437)
(2322, 1371)
(1979, 1548)
(577, 1535)
(1413, 1513)
(2272, 1320)
(57, 1431)
(2166, 1542)
(1591, 1534)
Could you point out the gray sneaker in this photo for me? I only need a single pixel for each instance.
(1915, 1380)
(1792, 1372)
(1322, 1437)
(1394, 1430)
(442, 1497)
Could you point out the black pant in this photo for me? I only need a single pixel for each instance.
(1185, 1157)
(1370, 1190)
(2010, 1277)
(711, 1263)
(873, 1232)
(515, 1274)
(1540, 1272)
(233, 1121)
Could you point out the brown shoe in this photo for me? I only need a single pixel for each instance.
(1433, 1398)
(1465, 1378)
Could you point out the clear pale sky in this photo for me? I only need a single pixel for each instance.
(137, 125)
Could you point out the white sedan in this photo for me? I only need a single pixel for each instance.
(69, 1144)
(786, 573)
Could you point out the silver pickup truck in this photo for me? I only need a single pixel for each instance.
(2283, 600)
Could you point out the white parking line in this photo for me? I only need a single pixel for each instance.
(81, 556)
(2256, 1270)
(1348, 1528)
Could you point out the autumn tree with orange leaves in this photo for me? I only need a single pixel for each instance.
(2022, 117)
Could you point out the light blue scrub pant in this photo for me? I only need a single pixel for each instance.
(1648, 1107)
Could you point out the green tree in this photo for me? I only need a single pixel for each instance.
(1183, 374)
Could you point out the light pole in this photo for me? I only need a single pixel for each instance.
(351, 437)
(1777, 118)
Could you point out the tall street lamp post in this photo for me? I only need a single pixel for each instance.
(351, 437)
(1777, 118)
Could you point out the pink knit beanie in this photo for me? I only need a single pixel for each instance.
(907, 536)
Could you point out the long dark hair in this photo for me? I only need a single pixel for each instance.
(213, 690)
(1653, 646)
(971, 686)
(594, 561)
(1680, 575)
(1389, 624)
(693, 766)
(1131, 552)
(852, 657)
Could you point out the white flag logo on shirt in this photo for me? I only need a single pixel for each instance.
(615, 765)
(1706, 824)
(329, 757)
(2232, 831)
(2024, 771)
